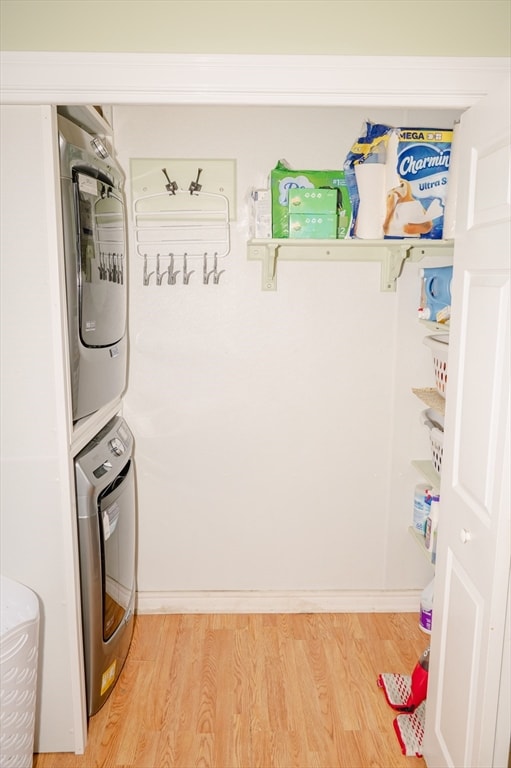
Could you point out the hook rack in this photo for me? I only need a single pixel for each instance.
(179, 224)
(172, 273)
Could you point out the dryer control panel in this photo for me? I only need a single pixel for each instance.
(103, 457)
(116, 446)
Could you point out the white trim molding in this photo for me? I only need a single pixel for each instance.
(137, 78)
(301, 601)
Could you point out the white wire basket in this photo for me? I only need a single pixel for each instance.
(439, 346)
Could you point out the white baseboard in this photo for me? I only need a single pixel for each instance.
(293, 601)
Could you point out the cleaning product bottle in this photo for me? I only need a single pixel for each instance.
(419, 682)
(426, 607)
(421, 507)
(437, 291)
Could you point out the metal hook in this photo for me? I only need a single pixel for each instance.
(159, 275)
(216, 274)
(171, 186)
(147, 276)
(205, 274)
(186, 274)
(194, 185)
(172, 276)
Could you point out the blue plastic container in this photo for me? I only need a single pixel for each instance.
(437, 290)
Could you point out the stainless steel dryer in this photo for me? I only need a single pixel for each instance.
(93, 217)
(106, 505)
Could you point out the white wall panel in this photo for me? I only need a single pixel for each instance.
(266, 424)
(38, 532)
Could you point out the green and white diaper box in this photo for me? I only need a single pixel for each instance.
(291, 196)
(313, 225)
(304, 200)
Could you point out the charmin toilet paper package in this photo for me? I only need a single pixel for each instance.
(415, 206)
(398, 181)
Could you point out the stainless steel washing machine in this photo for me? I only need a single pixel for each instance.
(106, 506)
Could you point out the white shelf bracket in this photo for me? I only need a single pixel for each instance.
(267, 253)
(270, 267)
(392, 266)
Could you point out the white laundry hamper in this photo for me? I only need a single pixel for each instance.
(19, 642)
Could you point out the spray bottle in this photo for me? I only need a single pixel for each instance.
(419, 682)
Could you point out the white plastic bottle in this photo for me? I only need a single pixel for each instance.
(426, 607)
(421, 507)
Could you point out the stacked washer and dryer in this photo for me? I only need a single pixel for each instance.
(95, 241)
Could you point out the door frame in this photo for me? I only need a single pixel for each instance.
(31, 77)
(41, 78)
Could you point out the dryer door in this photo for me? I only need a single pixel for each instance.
(102, 258)
(117, 512)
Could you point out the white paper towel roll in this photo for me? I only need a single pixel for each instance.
(371, 179)
(452, 189)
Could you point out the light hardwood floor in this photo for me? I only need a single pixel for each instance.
(254, 691)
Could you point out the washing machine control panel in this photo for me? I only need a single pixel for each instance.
(116, 446)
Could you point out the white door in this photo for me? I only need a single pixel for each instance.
(471, 585)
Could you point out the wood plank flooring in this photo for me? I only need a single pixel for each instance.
(254, 691)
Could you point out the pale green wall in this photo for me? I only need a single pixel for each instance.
(342, 27)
